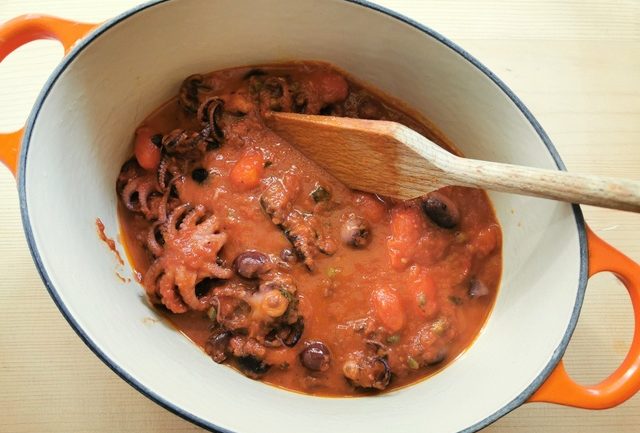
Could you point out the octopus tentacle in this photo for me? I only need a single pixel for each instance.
(217, 271)
(136, 195)
(161, 173)
(169, 295)
(210, 113)
(157, 205)
(191, 218)
(186, 282)
(174, 217)
(235, 291)
(210, 224)
(163, 207)
(187, 144)
(130, 169)
(128, 192)
(275, 95)
(150, 280)
(191, 87)
(153, 245)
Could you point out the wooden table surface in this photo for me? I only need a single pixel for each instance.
(575, 63)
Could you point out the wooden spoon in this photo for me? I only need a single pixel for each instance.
(390, 159)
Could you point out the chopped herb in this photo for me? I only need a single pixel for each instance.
(455, 300)
(332, 272)
(393, 339)
(460, 237)
(212, 313)
(320, 194)
(412, 363)
(422, 300)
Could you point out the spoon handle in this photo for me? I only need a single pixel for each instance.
(558, 185)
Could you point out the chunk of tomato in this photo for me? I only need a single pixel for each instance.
(248, 170)
(406, 226)
(371, 207)
(147, 153)
(331, 87)
(388, 309)
(486, 240)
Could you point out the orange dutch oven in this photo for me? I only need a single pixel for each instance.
(68, 156)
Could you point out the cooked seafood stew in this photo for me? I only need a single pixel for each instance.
(277, 269)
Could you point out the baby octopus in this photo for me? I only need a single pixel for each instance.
(187, 253)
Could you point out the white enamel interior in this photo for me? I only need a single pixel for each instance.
(82, 135)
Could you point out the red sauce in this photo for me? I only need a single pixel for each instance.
(277, 269)
(107, 240)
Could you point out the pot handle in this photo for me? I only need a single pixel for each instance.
(19, 31)
(559, 388)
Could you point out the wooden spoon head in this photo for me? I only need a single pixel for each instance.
(375, 156)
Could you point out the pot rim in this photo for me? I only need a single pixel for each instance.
(140, 387)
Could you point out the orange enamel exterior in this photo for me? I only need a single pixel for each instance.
(625, 381)
(14, 34)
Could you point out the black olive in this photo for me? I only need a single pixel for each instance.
(199, 174)
(217, 346)
(355, 231)
(441, 210)
(250, 264)
(315, 356)
(252, 367)
(157, 140)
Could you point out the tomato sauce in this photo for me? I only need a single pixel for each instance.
(276, 268)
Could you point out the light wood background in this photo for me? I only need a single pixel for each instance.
(575, 63)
